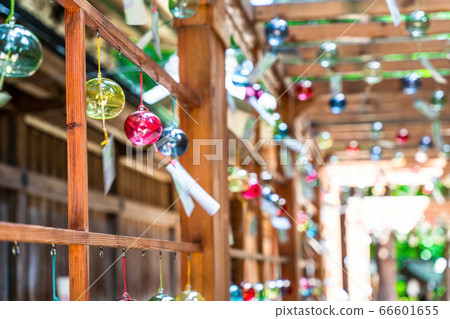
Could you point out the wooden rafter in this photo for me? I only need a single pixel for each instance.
(337, 8)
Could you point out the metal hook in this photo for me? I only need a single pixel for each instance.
(101, 253)
(53, 250)
(160, 254)
(123, 253)
(175, 255)
(15, 249)
(98, 33)
(144, 254)
(188, 256)
(120, 53)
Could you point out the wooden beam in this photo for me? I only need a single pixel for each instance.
(242, 254)
(58, 236)
(372, 29)
(338, 8)
(376, 47)
(77, 150)
(98, 22)
(386, 86)
(202, 69)
(361, 118)
(314, 69)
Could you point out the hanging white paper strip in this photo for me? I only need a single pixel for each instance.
(437, 136)
(189, 185)
(266, 116)
(135, 12)
(231, 103)
(262, 66)
(395, 12)
(109, 164)
(424, 108)
(434, 73)
(286, 163)
(335, 84)
(186, 200)
(281, 223)
(269, 207)
(155, 32)
(4, 98)
(145, 39)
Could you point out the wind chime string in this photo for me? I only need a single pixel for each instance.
(188, 284)
(53, 255)
(141, 81)
(142, 107)
(125, 295)
(154, 6)
(99, 75)
(160, 274)
(173, 126)
(11, 14)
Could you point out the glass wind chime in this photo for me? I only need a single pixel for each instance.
(417, 24)
(20, 52)
(173, 141)
(376, 152)
(372, 74)
(328, 56)
(53, 256)
(142, 127)
(161, 296)
(125, 296)
(182, 9)
(105, 98)
(188, 294)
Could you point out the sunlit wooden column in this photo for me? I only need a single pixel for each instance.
(202, 41)
(291, 248)
(77, 176)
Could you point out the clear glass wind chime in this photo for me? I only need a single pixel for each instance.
(161, 296)
(105, 98)
(20, 52)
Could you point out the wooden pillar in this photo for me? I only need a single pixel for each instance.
(447, 269)
(201, 48)
(77, 177)
(291, 248)
(387, 268)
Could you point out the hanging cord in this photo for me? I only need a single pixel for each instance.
(125, 295)
(275, 2)
(173, 112)
(99, 76)
(53, 255)
(141, 81)
(188, 284)
(11, 15)
(173, 125)
(365, 98)
(160, 290)
(154, 6)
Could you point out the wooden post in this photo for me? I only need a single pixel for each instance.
(77, 177)
(387, 268)
(291, 248)
(202, 70)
